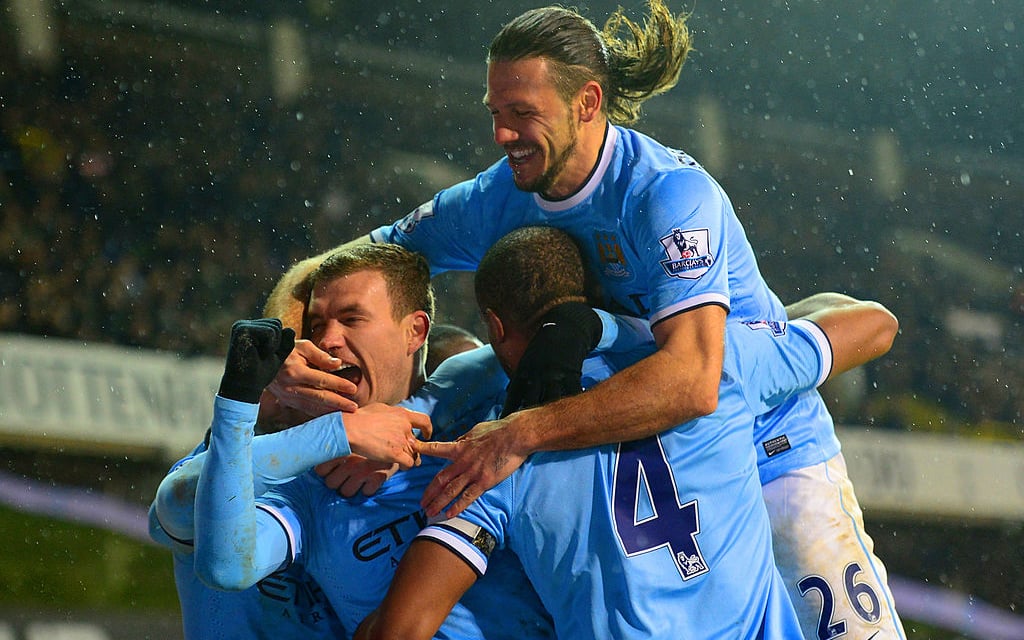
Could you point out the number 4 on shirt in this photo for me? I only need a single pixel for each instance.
(648, 512)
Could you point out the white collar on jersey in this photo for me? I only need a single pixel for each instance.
(611, 136)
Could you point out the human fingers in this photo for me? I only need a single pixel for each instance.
(314, 402)
(351, 486)
(315, 356)
(309, 366)
(444, 488)
(446, 450)
(466, 497)
(421, 422)
(375, 480)
(325, 468)
(335, 476)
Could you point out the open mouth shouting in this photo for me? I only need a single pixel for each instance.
(350, 372)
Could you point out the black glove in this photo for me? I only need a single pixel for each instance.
(553, 362)
(256, 352)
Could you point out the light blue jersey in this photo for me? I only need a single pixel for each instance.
(662, 238)
(666, 537)
(351, 546)
(288, 605)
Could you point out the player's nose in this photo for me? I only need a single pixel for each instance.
(504, 135)
(333, 338)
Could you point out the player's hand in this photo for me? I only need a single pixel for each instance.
(480, 459)
(304, 383)
(552, 364)
(255, 353)
(353, 474)
(384, 433)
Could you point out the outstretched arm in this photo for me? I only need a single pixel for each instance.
(377, 431)
(859, 330)
(429, 580)
(276, 459)
(677, 383)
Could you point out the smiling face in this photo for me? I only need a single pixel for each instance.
(537, 128)
(351, 318)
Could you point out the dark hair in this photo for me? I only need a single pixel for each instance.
(527, 272)
(405, 273)
(629, 69)
(445, 341)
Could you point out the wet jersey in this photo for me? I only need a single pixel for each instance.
(351, 546)
(288, 605)
(659, 234)
(665, 537)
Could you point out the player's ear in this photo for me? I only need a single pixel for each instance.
(495, 328)
(589, 98)
(417, 327)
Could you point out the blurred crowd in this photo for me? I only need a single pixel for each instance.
(142, 209)
(148, 206)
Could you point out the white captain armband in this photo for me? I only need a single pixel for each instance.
(469, 541)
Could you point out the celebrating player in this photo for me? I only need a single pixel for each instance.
(661, 237)
(370, 308)
(665, 537)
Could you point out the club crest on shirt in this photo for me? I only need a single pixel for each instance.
(689, 253)
(609, 254)
(420, 213)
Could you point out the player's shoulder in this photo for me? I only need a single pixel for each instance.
(471, 362)
(656, 169)
(649, 154)
(497, 178)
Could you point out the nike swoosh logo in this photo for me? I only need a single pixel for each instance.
(874, 634)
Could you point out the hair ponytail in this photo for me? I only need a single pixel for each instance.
(643, 62)
(631, 62)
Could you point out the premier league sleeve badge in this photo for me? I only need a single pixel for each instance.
(689, 253)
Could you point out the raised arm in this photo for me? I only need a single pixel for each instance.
(225, 521)
(232, 551)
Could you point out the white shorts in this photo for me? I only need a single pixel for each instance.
(837, 584)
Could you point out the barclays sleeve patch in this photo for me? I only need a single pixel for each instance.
(688, 253)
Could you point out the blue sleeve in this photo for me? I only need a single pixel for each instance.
(679, 228)
(236, 544)
(475, 533)
(620, 334)
(276, 459)
(777, 360)
(157, 533)
(464, 391)
(456, 228)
